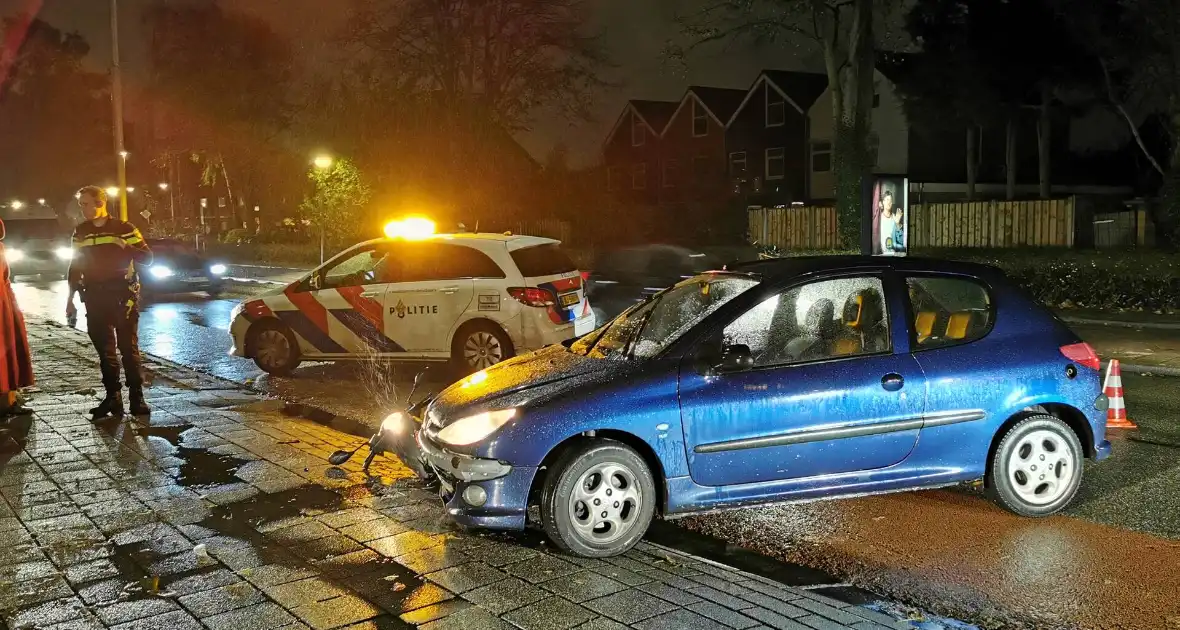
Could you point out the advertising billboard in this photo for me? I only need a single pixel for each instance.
(885, 222)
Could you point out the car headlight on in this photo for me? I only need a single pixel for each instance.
(64, 253)
(160, 271)
(394, 423)
(218, 269)
(475, 428)
(14, 255)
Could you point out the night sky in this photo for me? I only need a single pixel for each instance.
(635, 32)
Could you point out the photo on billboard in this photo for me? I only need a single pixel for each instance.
(889, 207)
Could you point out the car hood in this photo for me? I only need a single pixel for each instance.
(528, 379)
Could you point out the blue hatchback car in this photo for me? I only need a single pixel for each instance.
(772, 381)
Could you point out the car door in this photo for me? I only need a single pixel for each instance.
(824, 393)
(339, 310)
(429, 297)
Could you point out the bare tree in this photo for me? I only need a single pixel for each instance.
(508, 57)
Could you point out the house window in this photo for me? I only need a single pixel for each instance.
(700, 167)
(737, 163)
(776, 163)
(776, 108)
(821, 156)
(638, 131)
(639, 176)
(874, 149)
(614, 175)
(700, 120)
(221, 202)
(671, 168)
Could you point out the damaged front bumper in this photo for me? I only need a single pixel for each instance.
(477, 492)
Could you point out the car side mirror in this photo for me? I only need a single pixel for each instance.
(732, 358)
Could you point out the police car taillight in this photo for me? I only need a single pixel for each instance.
(533, 296)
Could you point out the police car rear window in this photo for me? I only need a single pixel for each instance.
(543, 260)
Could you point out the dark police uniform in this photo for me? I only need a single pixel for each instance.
(103, 272)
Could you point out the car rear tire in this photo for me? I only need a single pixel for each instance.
(1037, 468)
(274, 348)
(598, 499)
(479, 345)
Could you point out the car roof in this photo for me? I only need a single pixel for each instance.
(476, 239)
(783, 268)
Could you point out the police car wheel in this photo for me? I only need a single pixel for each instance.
(274, 349)
(598, 499)
(478, 346)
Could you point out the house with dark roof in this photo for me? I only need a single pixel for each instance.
(632, 150)
(693, 149)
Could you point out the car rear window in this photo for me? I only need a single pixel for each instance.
(543, 260)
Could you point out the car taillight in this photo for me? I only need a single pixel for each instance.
(585, 276)
(533, 296)
(1082, 354)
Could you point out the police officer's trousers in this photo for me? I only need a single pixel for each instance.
(112, 320)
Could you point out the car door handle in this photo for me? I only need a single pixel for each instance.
(892, 382)
(449, 290)
(370, 294)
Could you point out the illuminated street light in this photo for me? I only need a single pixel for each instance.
(131, 189)
(163, 185)
(323, 162)
(112, 190)
(17, 204)
(123, 154)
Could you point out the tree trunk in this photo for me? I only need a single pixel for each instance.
(1044, 148)
(1010, 158)
(972, 159)
(852, 95)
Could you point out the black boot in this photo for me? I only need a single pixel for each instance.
(112, 405)
(138, 406)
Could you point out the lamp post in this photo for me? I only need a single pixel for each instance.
(117, 101)
(171, 200)
(322, 162)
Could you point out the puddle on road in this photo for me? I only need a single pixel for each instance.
(199, 468)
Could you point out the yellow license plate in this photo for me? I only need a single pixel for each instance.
(569, 299)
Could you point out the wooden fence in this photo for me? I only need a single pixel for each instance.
(999, 224)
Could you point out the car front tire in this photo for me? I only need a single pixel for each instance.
(1037, 467)
(598, 499)
(273, 347)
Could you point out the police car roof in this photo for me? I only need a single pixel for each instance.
(512, 241)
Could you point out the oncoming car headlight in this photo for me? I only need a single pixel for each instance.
(475, 428)
(64, 253)
(160, 271)
(14, 255)
(218, 269)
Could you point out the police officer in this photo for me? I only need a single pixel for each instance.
(103, 273)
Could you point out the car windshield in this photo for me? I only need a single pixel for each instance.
(34, 229)
(644, 330)
(165, 247)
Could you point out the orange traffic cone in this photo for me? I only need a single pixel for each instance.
(1116, 411)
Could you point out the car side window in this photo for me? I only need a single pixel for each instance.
(813, 322)
(456, 261)
(948, 311)
(368, 265)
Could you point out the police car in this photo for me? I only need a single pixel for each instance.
(473, 299)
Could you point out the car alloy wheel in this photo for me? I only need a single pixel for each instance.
(598, 498)
(1037, 467)
(482, 350)
(1041, 467)
(604, 505)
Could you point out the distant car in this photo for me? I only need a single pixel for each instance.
(178, 267)
(620, 278)
(775, 381)
(38, 246)
(471, 299)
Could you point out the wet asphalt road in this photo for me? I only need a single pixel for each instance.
(1112, 561)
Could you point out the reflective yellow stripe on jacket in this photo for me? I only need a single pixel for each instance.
(132, 238)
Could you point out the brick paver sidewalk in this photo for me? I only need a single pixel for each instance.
(222, 513)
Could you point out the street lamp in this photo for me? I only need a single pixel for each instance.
(163, 185)
(112, 191)
(131, 189)
(17, 204)
(41, 201)
(323, 162)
